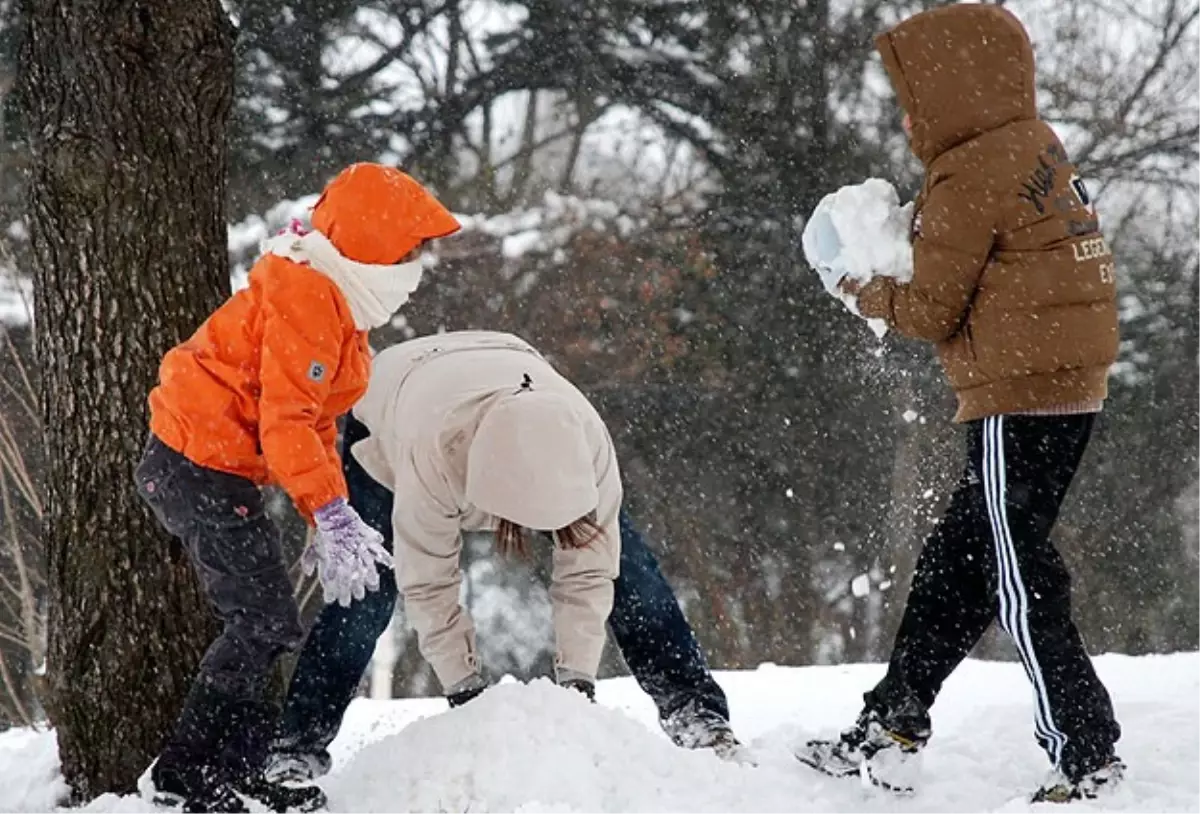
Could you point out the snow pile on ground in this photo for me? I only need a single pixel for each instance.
(535, 747)
(29, 776)
(539, 748)
(871, 232)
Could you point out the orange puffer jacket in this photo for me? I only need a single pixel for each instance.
(256, 391)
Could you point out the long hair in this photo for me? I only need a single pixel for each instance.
(512, 539)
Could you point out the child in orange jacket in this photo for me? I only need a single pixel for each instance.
(252, 399)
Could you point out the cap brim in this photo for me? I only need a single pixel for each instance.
(439, 223)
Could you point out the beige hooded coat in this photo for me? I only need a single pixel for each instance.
(470, 426)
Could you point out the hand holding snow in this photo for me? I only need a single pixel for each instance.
(859, 232)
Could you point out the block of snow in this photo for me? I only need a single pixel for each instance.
(861, 231)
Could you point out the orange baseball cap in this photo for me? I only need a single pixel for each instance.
(377, 214)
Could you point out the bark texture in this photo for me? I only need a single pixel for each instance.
(127, 105)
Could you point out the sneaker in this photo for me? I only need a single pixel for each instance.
(278, 796)
(727, 747)
(194, 789)
(881, 756)
(217, 800)
(297, 767)
(691, 727)
(1087, 786)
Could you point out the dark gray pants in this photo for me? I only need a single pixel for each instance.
(234, 546)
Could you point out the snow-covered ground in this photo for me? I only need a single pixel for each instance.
(537, 748)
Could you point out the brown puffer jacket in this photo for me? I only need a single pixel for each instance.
(1011, 277)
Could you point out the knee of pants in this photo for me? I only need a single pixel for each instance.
(1044, 574)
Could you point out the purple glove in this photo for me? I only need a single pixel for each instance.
(344, 552)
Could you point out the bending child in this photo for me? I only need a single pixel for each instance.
(476, 430)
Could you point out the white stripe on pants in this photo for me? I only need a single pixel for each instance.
(1014, 601)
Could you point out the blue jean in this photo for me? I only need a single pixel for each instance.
(647, 625)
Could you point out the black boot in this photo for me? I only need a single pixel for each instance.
(194, 789)
(189, 771)
(245, 757)
(278, 797)
(1082, 784)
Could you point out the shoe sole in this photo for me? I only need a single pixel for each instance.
(1067, 796)
(860, 771)
(291, 777)
(815, 763)
(313, 805)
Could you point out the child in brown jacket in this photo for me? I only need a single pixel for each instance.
(1014, 285)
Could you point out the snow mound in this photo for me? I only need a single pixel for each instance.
(535, 747)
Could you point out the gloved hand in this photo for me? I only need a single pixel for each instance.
(823, 248)
(588, 688)
(576, 680)
(462, 692)
(345, 552)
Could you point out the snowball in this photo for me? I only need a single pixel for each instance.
(870, 238)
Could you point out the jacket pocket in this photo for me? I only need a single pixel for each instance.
(156, 470)
(234, 534)
(155, 478)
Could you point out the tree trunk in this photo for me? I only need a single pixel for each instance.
(128, 103)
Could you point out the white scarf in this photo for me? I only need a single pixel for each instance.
(374, 293)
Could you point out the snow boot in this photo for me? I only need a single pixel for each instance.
(194, 789)
(278, 796)
(887, 757)
(291, 766)
(1086, 785)
(188, 771)
(693, 727)
(246, 755)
